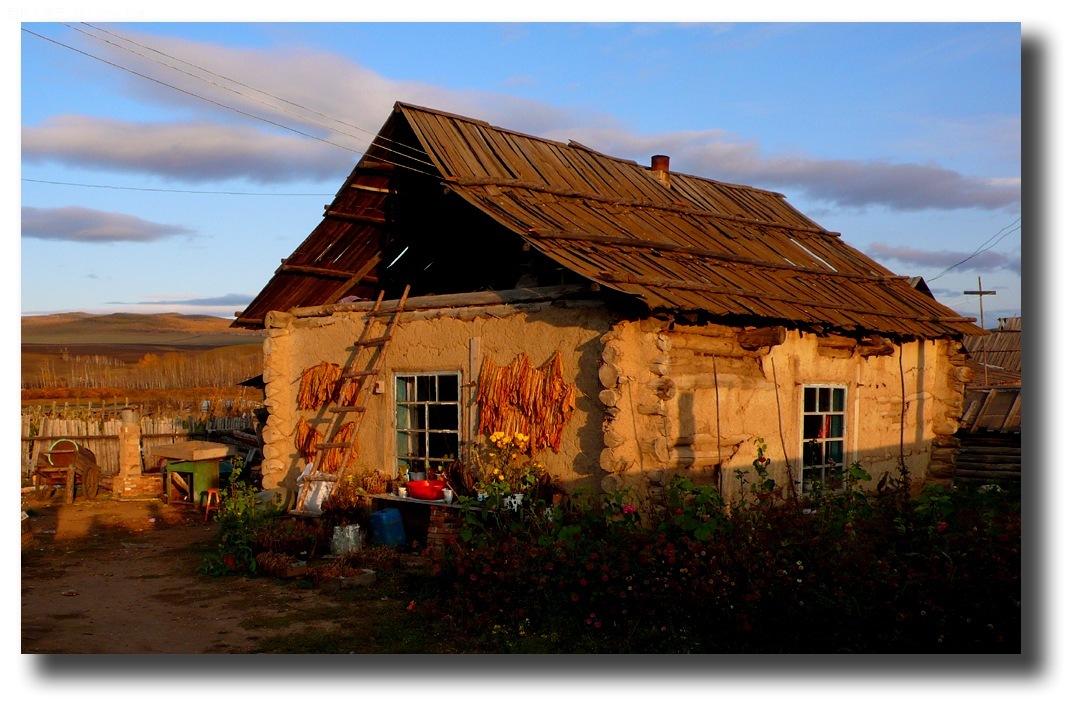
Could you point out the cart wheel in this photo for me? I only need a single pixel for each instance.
(91, 482)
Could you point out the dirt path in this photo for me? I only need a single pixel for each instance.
(106, 576)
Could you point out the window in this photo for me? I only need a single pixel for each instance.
(823, 437)
(428, 420)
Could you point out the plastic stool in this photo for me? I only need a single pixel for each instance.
(211, 502)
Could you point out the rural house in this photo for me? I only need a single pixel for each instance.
(636, 322)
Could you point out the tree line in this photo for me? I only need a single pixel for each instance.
(153, 371)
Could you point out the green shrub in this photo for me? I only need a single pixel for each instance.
(240, 515)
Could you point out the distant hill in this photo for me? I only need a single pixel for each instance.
(169, 329)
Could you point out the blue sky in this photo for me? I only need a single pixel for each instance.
(906, 138)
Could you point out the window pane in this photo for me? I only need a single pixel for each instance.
(407, 416)
(835, 426)
(812, 454)
(838, 397)
(809, 399)
(448, 388)
(812, 426)
(415, 416)
(425, 388)
(410, 444)
(442, 445)
(442, 416)
(404, 388)
(823, 402)
(835, 451)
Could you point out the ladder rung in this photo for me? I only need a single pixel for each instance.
(375, 341)
(347, 408)
(333, 444)
(360, 374)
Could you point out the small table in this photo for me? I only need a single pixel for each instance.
(199, 460)
(432, 526)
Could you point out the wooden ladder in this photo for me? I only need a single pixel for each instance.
(363, 379)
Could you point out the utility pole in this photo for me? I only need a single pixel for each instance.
(980, 293)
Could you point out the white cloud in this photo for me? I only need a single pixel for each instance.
(201, 151)
(985, 261)
(84, 225)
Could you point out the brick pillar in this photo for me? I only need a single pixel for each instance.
(129, 452)
(443, 528)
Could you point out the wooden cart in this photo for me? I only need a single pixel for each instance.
(66, 464)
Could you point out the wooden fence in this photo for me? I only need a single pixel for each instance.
(100, 434)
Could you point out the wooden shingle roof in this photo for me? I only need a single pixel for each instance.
(674, 242)
(1001, 349)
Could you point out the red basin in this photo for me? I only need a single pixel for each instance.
(426, 489)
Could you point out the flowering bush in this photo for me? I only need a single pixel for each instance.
(885, 573)
(504, 464)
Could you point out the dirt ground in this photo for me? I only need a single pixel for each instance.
(110, 576)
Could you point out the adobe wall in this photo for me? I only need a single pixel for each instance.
(438, 340)
(690, 399)
(653, 400)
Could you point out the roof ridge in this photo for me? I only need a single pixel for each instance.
(572, 143)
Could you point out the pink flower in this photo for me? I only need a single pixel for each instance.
(628, 509)
(941, 527)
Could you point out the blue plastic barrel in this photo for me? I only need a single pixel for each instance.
(386, 527)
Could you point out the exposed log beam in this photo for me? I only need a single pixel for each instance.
(475, 299)
(355, 278)
(313, 270)
(356, 218)
(370, 166)
(875, 346)
(369, 188)
(754, 339)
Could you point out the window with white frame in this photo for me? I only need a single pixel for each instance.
(823, 435)
(428, 418)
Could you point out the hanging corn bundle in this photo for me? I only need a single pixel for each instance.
(520, 398)
(319, 385)
(332, 457)
(305, 440)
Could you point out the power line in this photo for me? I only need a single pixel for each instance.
(175, 190)
(213, 102)
(982, 248)
(413, 156)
